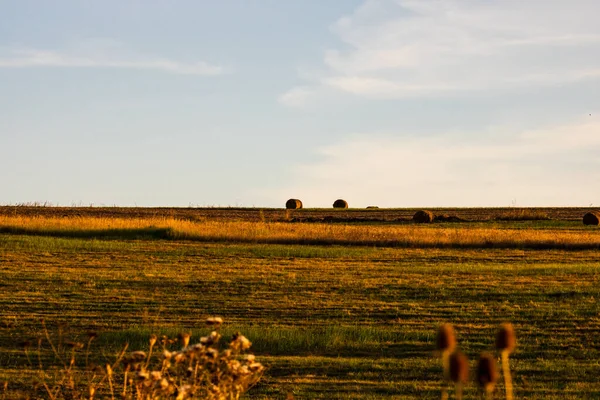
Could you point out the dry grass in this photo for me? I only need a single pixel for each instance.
(523, 214)
(315, 234)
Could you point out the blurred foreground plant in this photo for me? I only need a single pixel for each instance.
(205, 370)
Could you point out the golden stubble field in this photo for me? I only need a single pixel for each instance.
(345, 309)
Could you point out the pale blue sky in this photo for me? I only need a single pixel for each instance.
(247, 103)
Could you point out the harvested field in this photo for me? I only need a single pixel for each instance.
(329, 321)
(278, 214)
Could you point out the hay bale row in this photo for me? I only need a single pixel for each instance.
(421, 216)
(293, 204)
(592, 218)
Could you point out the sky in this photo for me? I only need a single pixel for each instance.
(395, 103)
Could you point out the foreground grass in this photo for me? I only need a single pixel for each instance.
(328, 321)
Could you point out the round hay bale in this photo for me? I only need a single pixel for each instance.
(423, 217)
(293, 204)
(339, 203)
(592, 218)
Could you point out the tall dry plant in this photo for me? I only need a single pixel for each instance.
(506, 341)
(487, 374)
(456, 364)
(446, 343)
(459, 372)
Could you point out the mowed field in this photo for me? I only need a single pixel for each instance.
(338, 303)
(278, 214)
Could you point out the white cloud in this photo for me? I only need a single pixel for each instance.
(296, 97)
(29, 58)
(557, 166)
(405, 48)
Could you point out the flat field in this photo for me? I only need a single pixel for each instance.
(338, 304)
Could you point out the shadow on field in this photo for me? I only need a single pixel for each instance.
(118, 234)
(154, 233)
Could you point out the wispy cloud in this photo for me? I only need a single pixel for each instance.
(557, 166)
(296, 96)
(408, 48)
(30, 58)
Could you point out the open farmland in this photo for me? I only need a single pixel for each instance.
(277, 214)
(338, 304)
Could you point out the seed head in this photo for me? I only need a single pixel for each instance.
(245, 343)
(214, 321)
(164, 384)
(184, 391)
(459, 367)
(142, 375)
(505, 338)
(446, 340)
(255, 366)
(211, 339)
(152, 340)
(179, 357)
(212, 353)
(487, 373)
(226, 354)
(185, 338)
(74, 345)
(155, 375)
(197, 348)
(240, 342)
(244, 370)
(138, 356)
